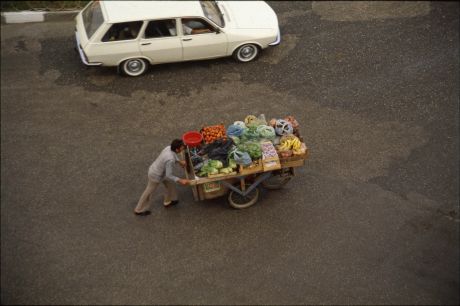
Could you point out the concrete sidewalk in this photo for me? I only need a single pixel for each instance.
(37, 16)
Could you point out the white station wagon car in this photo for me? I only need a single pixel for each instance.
(133, 34)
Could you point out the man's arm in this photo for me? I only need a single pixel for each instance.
(169, 171)
(170, 176)
(199, 31)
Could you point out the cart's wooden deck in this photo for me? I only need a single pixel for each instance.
(204, 180)
(296, 161)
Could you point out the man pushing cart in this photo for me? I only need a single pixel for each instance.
(235, 160)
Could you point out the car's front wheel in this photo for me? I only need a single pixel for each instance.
(134, 67)
(246, 53)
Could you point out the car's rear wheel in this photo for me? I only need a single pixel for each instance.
(246, 53)
(134, 67)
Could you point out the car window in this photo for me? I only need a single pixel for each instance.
(123, 31)
(92, 18)
(161, 28)
(212, 11)
(192, 26)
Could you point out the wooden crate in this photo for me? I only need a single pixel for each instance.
(214, 189)
(294, 157)
(256, 166)
(292, 163)
(211, 190)
(294, 160)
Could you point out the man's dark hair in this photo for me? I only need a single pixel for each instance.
(176, 144)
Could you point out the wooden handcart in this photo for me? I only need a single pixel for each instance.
(242, 187)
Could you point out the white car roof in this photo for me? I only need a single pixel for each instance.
(124, 11)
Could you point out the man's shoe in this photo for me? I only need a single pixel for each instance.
(144, 213)
(170, 203)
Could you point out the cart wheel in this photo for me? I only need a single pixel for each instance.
(238, 201)
(276, 182)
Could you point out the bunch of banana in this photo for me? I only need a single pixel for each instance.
(298, 150)
(290, 142)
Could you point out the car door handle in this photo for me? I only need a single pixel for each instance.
(186, 39)
(145, 44)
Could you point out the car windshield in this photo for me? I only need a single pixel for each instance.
(92, 18)
(211, 10)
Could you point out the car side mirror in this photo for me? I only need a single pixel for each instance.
(218, 31)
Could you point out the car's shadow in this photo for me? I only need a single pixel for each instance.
(178, 78)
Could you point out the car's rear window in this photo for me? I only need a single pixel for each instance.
(92, 18)
(123, 31)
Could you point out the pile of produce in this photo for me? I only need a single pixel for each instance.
(266, 132)
(291, 144)
(241, 144)
(252, 148)
(218, 150)
(213, 167)
(250, 133)
(212, 133)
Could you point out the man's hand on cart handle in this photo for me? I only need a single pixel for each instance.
(184, 182)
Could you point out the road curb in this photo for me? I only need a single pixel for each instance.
(37, 16)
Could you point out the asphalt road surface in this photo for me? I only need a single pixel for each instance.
(372, 218)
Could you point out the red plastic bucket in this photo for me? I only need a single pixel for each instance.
(192, 138)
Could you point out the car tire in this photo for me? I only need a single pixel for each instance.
(134, 67)
(246, 53)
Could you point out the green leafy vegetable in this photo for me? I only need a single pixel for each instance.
(213, 171)
(266, 132)
(210, 168)
(250, 133)
(226, 170)
(215, 164)
(252, 148)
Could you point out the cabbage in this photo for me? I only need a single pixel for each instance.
(210, 168)
(212, 171)
(250, 133)
(215, 164)
(226, 170)
(266, 132)
(252, 148)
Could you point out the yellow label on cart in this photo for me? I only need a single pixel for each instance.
(211, 186)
